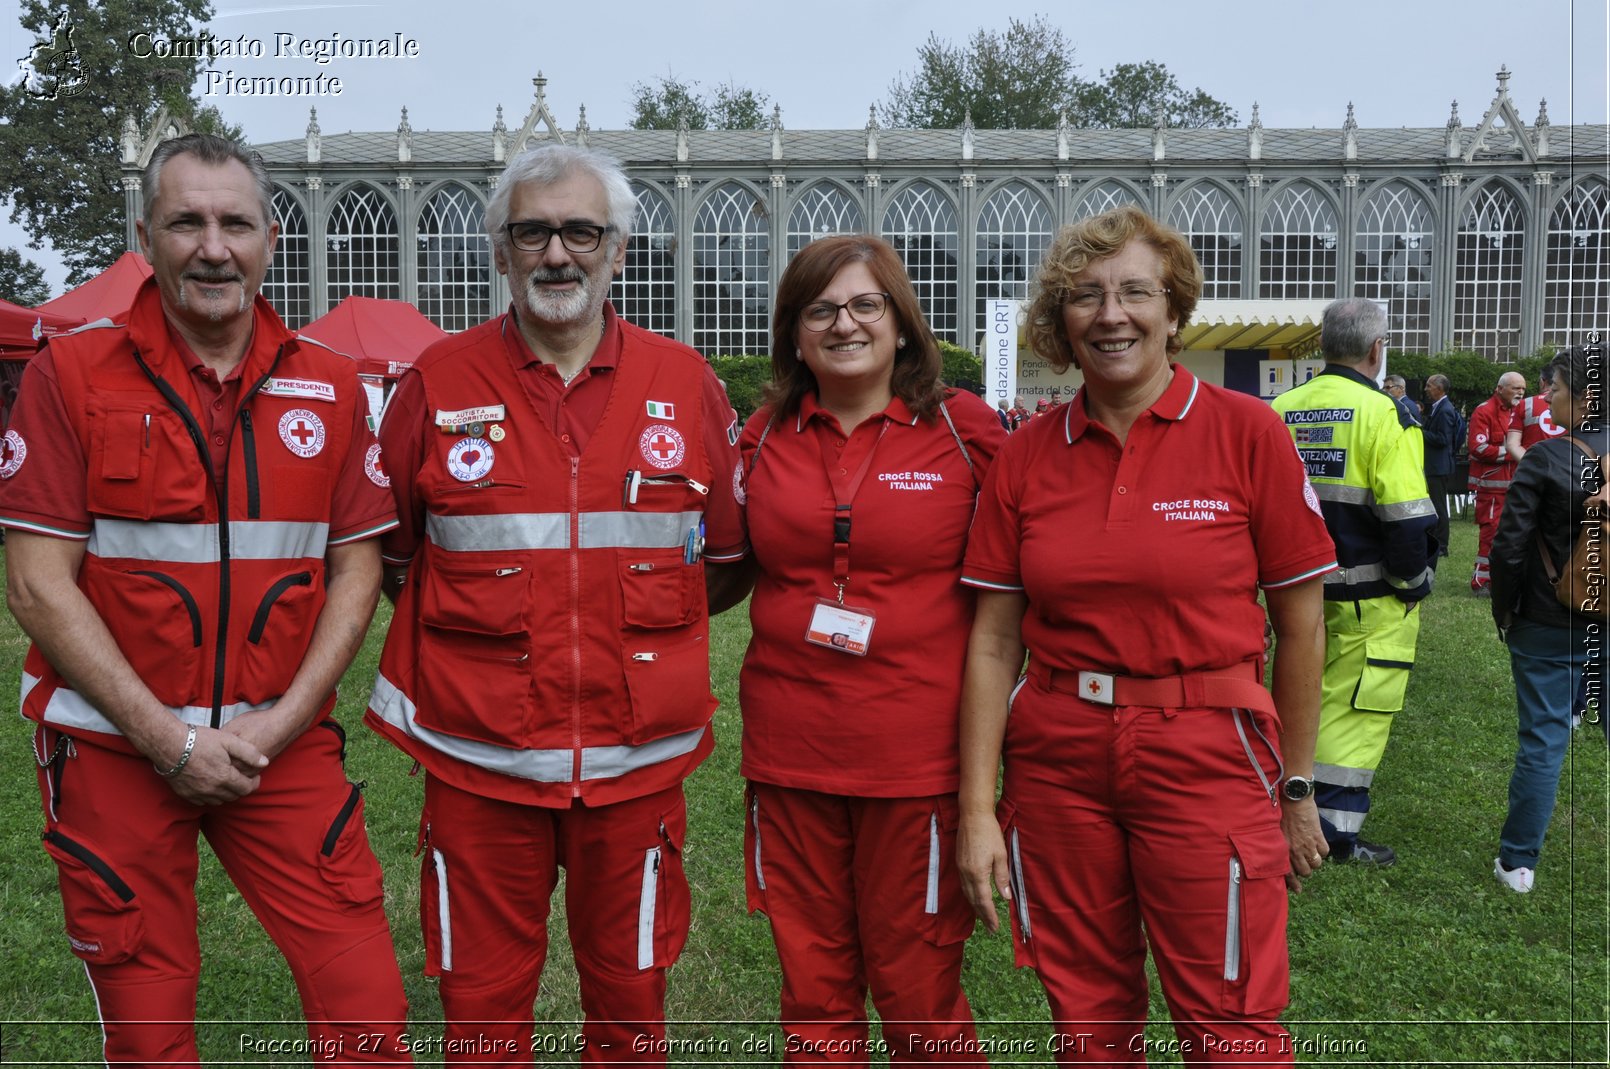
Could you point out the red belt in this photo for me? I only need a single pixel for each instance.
(1237, 688)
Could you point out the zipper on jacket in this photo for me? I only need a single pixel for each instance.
(92, 862)
(248, 441)
(185, 596)
(575, 621)
(260, 621)
(333, 836)
(647, 905)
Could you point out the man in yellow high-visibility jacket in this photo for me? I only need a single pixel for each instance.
(1364, 464)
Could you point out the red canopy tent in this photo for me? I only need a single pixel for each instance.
(384, 337)
(21, 329)
(108, 294)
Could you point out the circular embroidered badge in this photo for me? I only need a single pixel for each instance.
(469, 459)
(662, 446)
(372, 467)
(1312, 498)
(739, 494)
(13, 451)
(302, 432)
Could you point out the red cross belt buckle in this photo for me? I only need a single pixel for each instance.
(1096, 687)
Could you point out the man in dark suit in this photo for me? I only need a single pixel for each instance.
(1441, 430)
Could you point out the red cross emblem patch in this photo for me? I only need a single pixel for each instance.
(662, 446)
(13, 451)
(373, 467)
(302, 432)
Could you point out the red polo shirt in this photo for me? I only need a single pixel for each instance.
(882, 725)
(1145, 558)
(575, 410)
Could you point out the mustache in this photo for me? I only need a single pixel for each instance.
(558, 274)
(214, 279)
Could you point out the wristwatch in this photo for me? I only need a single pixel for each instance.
(1296, 788)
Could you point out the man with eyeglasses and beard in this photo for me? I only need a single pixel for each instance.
(563, 479)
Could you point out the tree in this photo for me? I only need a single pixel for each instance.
(60, 126)
(1020, 79)
(1137, 94)
(664, 106)
(1024, 79)
(21, 280)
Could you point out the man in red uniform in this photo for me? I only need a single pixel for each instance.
(192, 549)
(1491, 466)
(1530, 423)
(562, 478)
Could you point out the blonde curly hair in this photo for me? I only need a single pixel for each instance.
(1080, 244)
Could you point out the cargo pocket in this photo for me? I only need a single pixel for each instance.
(657, 589)
(435, 916)
(1256, 972)
(278, 635)
(127, 446)
(754, 860)
(668, 682)
(1386, 676)
(474, 673)
(662, 905)
(105, 925)
(345, 861)
(167, 650)
(947, 918)
(1023, 955)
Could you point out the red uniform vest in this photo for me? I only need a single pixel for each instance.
(209, 582)
(1490, 467)
(552, 640)
(1537, 424)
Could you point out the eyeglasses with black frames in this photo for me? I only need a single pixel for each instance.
(864, 308)
(576, 237)
(1087, 299)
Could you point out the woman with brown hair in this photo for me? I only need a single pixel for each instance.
(859, 477)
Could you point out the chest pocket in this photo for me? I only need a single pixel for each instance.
(143, 464)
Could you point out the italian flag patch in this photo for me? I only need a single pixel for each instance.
(661, 410)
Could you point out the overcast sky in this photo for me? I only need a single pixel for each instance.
(1400, 62)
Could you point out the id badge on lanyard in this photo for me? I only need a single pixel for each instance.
(834, 624)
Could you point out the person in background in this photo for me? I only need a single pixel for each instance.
(565, 486)
(1440, 430)
(193, 510)
(1003, 414)
(1530, 421)
(1548, 643)
(1363, 458)
(852, 679)
(1020, 413)
(1154, 789)
(1491, 467)
(1041, 407)
(1397, 389)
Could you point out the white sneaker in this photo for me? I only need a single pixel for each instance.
(1518, 880)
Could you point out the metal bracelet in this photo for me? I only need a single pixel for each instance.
(184, 758)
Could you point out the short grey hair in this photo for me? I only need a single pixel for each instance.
(1395, 380)
(1440, 381)
(548, 164)
(214, 151)
(1350, 326)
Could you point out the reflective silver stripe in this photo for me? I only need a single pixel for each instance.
(1358, 573)
(520, 531)
(1344, 820)
(1406, 510)
(1346, 495)
(506, 532)
(1232, 924)
(1490, 484)
(1019, 891)
(931, 903)
(645, 908)
(542, 766)
(70, 709)
(636, 530)
(1246, 744)
(1342, 776)
(197, 543)
(444, 915)
(754, 818)
(1410, 584)
(1012, 697)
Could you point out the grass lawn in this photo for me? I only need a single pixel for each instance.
(1428, 962)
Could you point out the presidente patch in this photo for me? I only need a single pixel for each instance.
(470, 459)
(373, 468)
(13, 451)
(311, 389)
(302, 432)
(662, 446)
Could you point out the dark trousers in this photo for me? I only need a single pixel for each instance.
(1438, 487)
